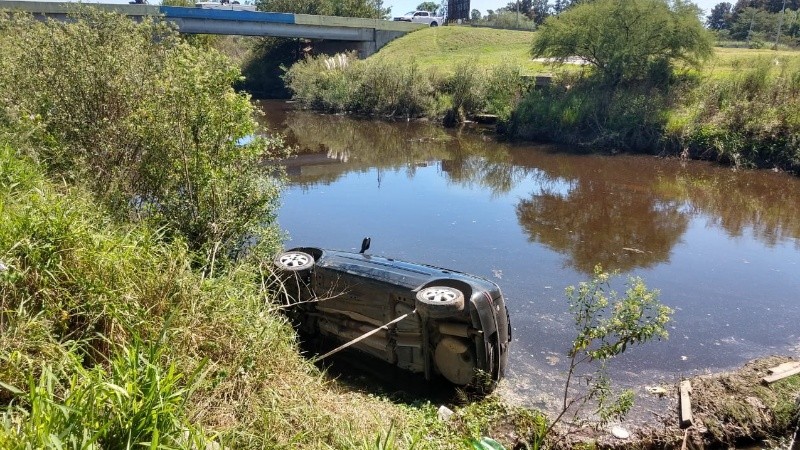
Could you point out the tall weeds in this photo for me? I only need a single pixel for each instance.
(135, 403)
(749, 119)
(374, 87)
(342, 83)
(578, 110)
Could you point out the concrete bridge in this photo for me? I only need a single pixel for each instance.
(334, 34)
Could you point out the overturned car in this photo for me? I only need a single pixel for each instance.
(419, 318)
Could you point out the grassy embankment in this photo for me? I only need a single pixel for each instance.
(739, 108)
(132, 314)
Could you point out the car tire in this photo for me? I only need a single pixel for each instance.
(294, 261)
(439, 301)
(434, 24)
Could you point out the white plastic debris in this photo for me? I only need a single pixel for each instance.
(445, 413)
(3, 267)
(656, 390)
(620, 433)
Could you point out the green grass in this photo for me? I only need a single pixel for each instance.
(110, 336)
(728, 61)
(443, 48)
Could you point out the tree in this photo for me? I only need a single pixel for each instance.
(753, 25)
(773, 6)
(522, 6)
(561, 5)
(428, 6)
(721, 17)
(169, 151)
(475, 15)
(540, 10)
(626, 40)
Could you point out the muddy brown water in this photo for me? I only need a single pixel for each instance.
(722, 246)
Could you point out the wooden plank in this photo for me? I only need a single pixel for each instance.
(783, 367)
(780, 375)
(686, 403)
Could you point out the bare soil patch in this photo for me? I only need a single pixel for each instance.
(729, 410)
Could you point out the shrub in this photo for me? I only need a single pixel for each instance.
(749, 119)
(148, 122)
(375, 87)
(505, 88)
(577, 111)
(466, 90)
(342, 83)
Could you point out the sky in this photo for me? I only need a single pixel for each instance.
(399, 7)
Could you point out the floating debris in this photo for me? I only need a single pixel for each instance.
(633, 250)
(656, 390)
(620, 433)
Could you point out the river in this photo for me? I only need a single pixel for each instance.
(722, 246)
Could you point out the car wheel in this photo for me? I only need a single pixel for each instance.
(294, 261)
(434, 24)
(439, 301)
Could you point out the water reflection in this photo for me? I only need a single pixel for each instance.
(622, 212)
(722, 246)
(594, 223)
(760, 203)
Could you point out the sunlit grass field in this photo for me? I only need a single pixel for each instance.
(443, 48)
(727, 61)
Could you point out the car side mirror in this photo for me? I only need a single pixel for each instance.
(365, 244)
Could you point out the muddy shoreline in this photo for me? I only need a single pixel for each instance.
(730, 410)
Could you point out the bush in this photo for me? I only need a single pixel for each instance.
(577, 111)
(342, 83)
(148, 122)
(374, 87)
(505, 88)
(510, 20)
(749, 119)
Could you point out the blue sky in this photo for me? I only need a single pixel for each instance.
(402, 6)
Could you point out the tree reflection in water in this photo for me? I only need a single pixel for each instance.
(623, 212)
(595, 223)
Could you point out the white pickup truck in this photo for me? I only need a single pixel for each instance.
(421, 17)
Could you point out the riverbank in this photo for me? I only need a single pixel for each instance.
(738, 109)
(729, 409)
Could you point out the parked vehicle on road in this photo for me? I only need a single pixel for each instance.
(425, 17)
(234, 5)
(423, 319)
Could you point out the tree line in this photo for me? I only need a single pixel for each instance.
(757, 21)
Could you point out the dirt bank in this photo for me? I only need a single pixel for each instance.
(729, 409)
